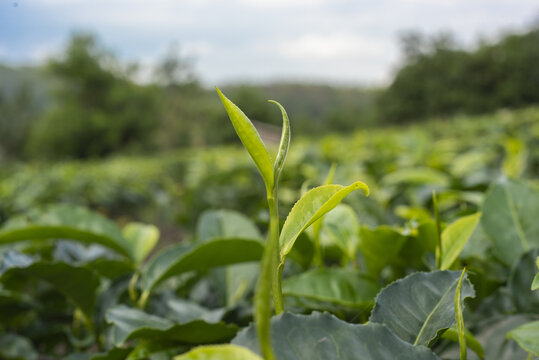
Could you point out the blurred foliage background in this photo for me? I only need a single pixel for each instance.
(85, 103)
(81, 130)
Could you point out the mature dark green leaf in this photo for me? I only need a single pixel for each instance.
(221, 224)
(323, 336)
(345, 287)
(525, 300)
(527, 336)
(130, 324)
(379, 247)
(510, 219)
(78, 284)
(180, 258)
(418, 306)
(65, 222)
(493, 335)
(15, 347)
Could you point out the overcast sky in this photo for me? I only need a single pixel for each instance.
(336, 41)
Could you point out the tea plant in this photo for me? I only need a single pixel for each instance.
(74, 284)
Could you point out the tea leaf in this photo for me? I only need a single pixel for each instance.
(78, 284)
(251, 140)
(314, 204)
(219, 352)
(455, 236)
(527, 336)
(142, 238)
(284, 143)
(418, 306)
(510, 219)
(345, 287)
(323, 336)
(379, 247)
(65, 222)
(220, 224)
(180, 258)
(130, 324)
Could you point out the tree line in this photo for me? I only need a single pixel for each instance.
(85, 103)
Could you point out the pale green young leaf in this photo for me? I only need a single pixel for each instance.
(527, 336)
(251, 140)
(283, 145)
(314, 204)
(142, 238)
(455, 236)
(459, 318)
(219, 352)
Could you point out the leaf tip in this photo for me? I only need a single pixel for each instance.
(363, 186)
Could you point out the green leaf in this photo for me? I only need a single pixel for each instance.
(492, 333)
(459, 318)
(65, 222)
(180, 258)
(379, 247)
(219, 352)
(514, 162)
(251, 140)
(525, 300)
(314, 204)
(130, 324)
(416, 176)
(142, 238)
(78, 284)
(15, 347)
(345, 287)
(284, 144)
(535, 283)
(510, 219)
(221, 224)
(418, 306)
(340, 227)
(527, 336)
(455, 236)
(323, 336)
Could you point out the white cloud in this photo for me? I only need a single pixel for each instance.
(329, 47)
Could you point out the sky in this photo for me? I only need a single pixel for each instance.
(333, 41)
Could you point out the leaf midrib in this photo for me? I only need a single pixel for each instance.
(432, 312)
(518, 226)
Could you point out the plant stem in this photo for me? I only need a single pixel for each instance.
(276, 267)
(263, 289)
(132, 289)
(438, 231)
